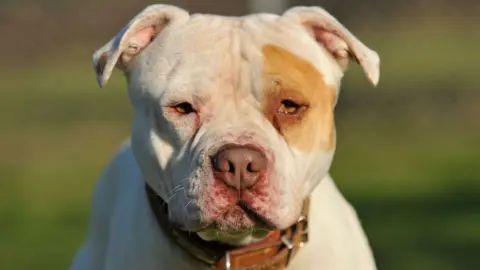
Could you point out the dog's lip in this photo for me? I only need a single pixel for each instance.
(261, 223)
(192, 230)
(258, 219)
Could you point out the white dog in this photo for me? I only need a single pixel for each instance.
(232, 139)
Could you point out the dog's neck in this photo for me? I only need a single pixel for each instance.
(274, 249)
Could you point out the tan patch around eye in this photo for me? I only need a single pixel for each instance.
(287, 76)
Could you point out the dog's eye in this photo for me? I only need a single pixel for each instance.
(289, 107)
(184, 108)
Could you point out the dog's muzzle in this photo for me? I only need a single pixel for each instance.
(274, 252)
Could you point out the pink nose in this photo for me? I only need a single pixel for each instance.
(239, 166)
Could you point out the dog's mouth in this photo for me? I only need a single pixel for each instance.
(237, 224)
(238, 220)
(259, 220)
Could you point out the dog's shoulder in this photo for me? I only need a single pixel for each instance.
(112, 184)
(123, 163)
(337, 240)
(118, 176)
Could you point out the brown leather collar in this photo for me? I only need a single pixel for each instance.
(274, 252)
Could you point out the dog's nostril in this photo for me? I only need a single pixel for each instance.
(249, 167)
(222, 165)
(255, 167)
(231, 167)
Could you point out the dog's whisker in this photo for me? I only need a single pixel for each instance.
(174, 194)
(177, 187)
(188, 203)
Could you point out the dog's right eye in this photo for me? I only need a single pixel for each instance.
(184, 108)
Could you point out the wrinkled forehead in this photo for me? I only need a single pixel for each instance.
(224, 54)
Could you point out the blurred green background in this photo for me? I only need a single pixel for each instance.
(408, 152)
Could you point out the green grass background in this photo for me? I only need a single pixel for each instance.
(408, 152)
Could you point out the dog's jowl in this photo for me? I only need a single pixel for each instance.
(232, 140)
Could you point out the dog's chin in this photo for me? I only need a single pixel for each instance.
(237, 226)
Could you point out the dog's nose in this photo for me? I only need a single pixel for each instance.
(239, 166)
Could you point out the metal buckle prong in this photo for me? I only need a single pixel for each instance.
(227, 261)
(289, 246)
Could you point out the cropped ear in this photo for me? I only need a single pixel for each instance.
(133, 38)
(342, 44)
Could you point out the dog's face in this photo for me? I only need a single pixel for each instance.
(233, 117)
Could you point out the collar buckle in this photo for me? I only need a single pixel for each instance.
(304, 234)
(302, 224)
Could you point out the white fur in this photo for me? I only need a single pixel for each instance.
(215, 64)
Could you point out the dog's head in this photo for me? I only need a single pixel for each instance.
(233, 116)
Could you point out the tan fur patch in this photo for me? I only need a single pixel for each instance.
(287, 76)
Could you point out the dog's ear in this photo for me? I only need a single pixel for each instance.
(336, 39)
(133, 38)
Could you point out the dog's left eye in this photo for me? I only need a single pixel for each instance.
(184, 108)
(289, 107)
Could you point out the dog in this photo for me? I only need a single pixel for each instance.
(232, 140)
